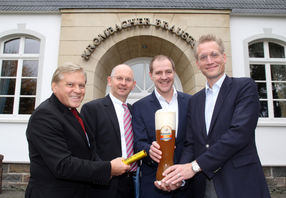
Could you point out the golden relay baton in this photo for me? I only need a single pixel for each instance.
(135, 157)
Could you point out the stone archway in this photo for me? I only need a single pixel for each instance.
(115, 52)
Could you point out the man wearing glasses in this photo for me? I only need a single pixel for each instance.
(106, 118)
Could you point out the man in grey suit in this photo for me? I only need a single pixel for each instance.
(104, 117)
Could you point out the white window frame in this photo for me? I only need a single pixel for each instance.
(267, 61)
(10, 34)
(20, 57)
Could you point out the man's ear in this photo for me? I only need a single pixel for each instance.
(54, 87)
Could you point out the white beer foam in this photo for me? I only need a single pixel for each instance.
(165, 118)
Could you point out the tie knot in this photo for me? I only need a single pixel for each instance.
(124, 106)
(74, 111)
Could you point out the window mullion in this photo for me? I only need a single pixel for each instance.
(269, 90)
(17, 87)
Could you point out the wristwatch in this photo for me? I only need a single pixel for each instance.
(196, 168)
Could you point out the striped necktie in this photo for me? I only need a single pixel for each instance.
(128, 135)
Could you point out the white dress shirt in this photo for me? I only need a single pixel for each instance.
(120, 113)
(211, 96)
(170, 106)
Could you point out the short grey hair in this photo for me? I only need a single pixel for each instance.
(67, 68)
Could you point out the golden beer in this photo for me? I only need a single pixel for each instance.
(165, 123)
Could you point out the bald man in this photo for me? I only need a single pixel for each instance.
(104, 117)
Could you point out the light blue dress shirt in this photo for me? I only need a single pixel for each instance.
(211, 96)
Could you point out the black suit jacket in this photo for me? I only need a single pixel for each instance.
(228, 154)
(101, 118)
(62, 162)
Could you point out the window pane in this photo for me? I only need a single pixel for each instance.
(7, 86)
(256, 50)
(6, 105)
(149, 82)
(279, 109)
(257, 72)
(28, 86)
(12, 46)
(138, 71)
(26, 105)
(30, 68)
(136, 90)
(32, 46)
(279, 90)
(278, 72)
(262, 90)
(9, 68)
(276, 51)
(263, 109)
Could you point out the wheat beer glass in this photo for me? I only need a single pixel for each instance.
(165, 124)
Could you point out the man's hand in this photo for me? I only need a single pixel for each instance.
(154, 152)
(177, 173)
(118, 167)
(165, 187)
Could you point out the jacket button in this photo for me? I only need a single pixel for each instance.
(207, 145)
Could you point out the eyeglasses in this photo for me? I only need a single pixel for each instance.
(212, 55)
(121, 79)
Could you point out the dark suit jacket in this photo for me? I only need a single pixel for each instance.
(228, 154)
(101, 118)
(62, 163)
(143, 122)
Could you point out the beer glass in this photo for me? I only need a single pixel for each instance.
(165, 124)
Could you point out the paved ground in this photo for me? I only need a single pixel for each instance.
(12, 194)
(21, 194)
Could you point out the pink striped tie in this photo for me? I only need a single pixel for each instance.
(128, 135)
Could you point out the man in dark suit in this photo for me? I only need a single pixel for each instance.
(104, 117)
(220, 151)
(61, 149)
(162, 73)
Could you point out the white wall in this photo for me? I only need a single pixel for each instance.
(270, 137)
(13, 144)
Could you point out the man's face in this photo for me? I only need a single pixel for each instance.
(70, 90)
(211, 61)
(163, 76)
(122, 82)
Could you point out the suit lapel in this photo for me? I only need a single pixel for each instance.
(72, 119)
(154, 102)
(225, 88)
(69, 117)
(110, 110)
(154, 106)
(181, 111)
(201, 106)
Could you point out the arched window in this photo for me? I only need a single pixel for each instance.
(19, 63)
(268, 69)
(144, 85)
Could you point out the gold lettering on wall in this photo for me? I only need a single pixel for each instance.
(132, 23)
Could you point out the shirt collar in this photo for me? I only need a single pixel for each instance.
(161, 98)
(217, 84)
(115, 100)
